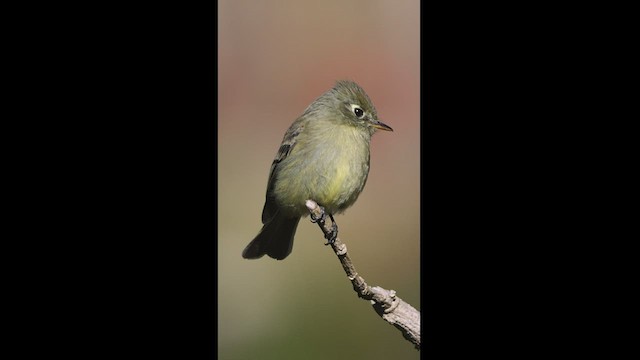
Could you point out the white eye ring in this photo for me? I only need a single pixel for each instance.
(357, 110)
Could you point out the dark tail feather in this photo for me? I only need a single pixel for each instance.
(275, 239)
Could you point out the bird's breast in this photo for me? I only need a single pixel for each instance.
(331, 169)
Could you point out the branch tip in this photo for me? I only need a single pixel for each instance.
(311, 205)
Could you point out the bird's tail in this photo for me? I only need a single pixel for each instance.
(275, 239)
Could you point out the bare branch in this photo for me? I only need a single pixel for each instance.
(385, 302)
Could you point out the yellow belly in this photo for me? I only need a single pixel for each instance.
(332, 173)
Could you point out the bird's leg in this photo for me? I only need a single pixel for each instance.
(333, 235)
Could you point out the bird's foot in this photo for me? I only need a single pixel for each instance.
(322, 217)
(333, 235)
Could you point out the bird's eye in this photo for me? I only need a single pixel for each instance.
(358, 111)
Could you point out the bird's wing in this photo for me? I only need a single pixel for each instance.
(270, 207)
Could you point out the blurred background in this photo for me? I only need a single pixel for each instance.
(274, 59)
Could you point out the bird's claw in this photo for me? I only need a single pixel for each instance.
(321, 219)
(333, 235)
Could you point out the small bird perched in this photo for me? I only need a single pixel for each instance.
(324, 157)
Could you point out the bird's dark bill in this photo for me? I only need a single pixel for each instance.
(382, 126)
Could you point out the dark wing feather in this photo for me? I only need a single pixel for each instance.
(270, 207)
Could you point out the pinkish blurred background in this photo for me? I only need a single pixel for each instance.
(275, 58)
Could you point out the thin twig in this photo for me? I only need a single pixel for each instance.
(385, 302)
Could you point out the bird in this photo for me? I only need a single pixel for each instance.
(324, 156)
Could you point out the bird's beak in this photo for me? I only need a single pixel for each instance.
(380, 125)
